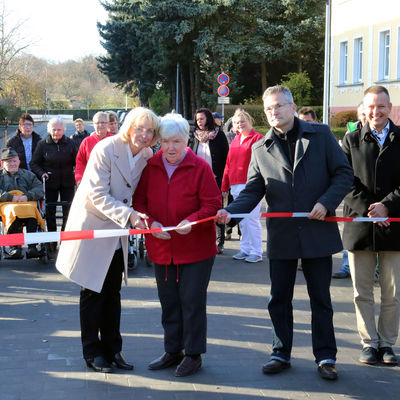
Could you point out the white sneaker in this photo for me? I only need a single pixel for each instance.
(240, 256)
(253, 258)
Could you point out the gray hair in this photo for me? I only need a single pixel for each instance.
(53, 121)
(279, 89)
(174, 125)
(100, 114)
(112, 116)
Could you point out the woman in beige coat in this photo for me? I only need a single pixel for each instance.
(103, 201)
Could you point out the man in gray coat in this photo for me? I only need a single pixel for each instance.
(298, 167)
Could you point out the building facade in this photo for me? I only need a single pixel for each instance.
(365, 51)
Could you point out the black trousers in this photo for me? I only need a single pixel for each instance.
(182, 290)
(317, 272)
(101, 313)
(19, 223)
(66, 194)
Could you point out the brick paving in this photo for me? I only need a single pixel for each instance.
(40, 352)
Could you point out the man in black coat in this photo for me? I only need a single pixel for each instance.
(374, 152)
(298, 167)
(25, 140)
(80, 133)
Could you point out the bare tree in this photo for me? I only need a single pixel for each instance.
(11, 45)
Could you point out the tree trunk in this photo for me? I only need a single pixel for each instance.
(191, 77)
(197, 83)
(263, 76)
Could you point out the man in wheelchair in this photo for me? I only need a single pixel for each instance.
(19, 192)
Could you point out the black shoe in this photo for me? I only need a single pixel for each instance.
(99, 364)
(188, 366)
(328, 371)
(387, 356)
(166, 360)
(15, 253)
(120, 362)
(369, 355)
(32, 252)
(220, 248)
(275, 366)
(342, 274)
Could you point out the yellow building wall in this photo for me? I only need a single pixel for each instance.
(347, 96)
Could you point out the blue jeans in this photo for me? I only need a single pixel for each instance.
(317, 272)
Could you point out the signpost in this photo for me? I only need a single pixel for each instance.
(223, 90)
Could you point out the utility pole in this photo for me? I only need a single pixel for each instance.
(325, 118)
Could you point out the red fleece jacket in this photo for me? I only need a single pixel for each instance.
(191, 193)
(238, 160)
(84, 151)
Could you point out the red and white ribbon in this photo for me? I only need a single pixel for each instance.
(18, 239)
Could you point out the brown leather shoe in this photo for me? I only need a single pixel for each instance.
(275, 366)
(188, 366)
(328, 371)
(166, 360)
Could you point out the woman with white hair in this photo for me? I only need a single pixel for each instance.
(54, 161)
(176, 188)
(103, 201)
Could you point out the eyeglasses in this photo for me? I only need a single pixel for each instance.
(100, 123)
(276, 107)
(27, 125)
(141, 130)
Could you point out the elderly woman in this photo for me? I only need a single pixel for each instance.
(103, 201)
(235, 177)
(54, 160)
(176, 188)
(210, 143)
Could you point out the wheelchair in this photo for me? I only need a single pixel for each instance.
(137, 251)
(42, 248)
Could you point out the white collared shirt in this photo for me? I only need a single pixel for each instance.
(381, 137)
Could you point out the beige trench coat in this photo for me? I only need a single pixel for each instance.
(102, 201)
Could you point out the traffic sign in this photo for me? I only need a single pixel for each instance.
(223, 91)
(223, 79)
(223, 100)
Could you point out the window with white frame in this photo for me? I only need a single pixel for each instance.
(344, 46)
(384, 55)
(358, 60)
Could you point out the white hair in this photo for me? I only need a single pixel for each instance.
(174, 125)
(53, 121)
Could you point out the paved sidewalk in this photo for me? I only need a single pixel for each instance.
(40, 353)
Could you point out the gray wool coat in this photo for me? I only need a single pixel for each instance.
(321, 173)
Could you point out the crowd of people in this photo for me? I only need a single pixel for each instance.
(114, 178)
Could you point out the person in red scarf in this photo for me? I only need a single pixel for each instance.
(210, 144)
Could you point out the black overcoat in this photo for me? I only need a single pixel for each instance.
(57, 160)
(321, 173)
(16, 143)
(376, 179)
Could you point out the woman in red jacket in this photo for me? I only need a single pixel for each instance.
(235, 178)
(176, 188)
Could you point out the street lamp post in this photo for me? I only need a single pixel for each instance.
(325, 118)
